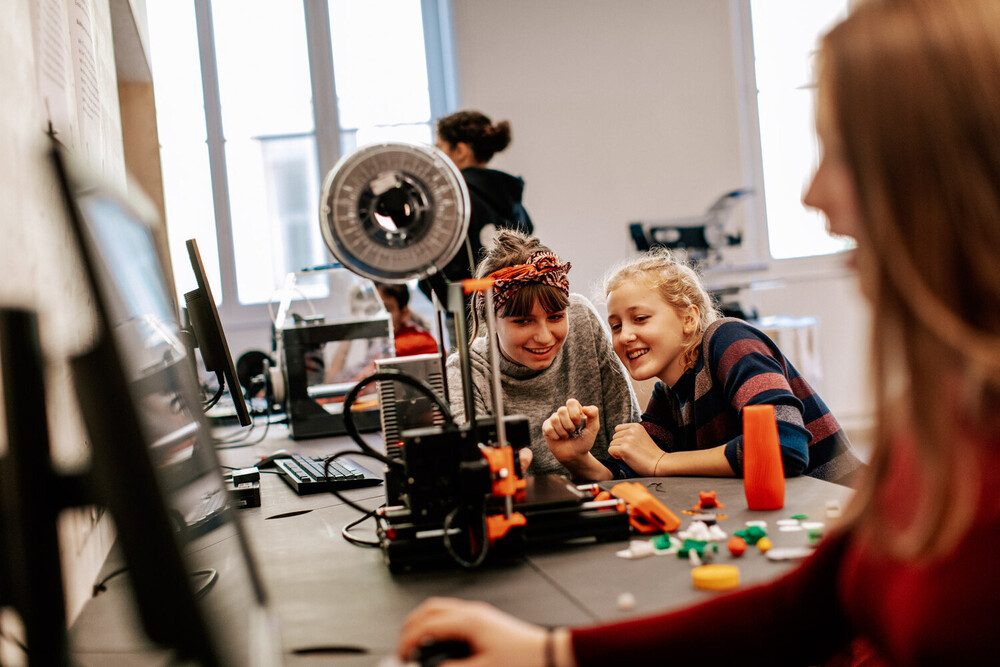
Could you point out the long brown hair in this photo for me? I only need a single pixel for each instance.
(913, 88)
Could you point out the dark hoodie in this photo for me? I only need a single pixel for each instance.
(495, 198)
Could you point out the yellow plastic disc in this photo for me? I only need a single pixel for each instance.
(716, 577)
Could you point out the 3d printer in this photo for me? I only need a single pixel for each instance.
(397, 212)
(700, 241)
(319, 357)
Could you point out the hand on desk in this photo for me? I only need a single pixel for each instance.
(495, 638)
(632, 444)
(570, 434)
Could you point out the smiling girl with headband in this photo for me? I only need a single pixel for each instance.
(554, 353)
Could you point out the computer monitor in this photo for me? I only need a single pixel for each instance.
(154, 464)
(211, 337)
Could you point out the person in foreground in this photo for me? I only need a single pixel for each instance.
(554, 352)
(907, 116)
(663, 325)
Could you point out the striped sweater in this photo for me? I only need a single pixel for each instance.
(739, 365)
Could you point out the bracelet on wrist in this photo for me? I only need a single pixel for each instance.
(657, 464)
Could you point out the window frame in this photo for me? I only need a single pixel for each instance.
(808, 267)
(442, 85)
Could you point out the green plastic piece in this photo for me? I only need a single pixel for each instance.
(800, 517)
(751, 534)
(661, 542)
(698, 546)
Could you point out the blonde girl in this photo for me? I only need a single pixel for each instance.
(664, 326)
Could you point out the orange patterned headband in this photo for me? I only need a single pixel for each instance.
(543, 268)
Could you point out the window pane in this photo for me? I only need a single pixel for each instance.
(785, 35)
(180, 120)
(380, 68)
(267, 121)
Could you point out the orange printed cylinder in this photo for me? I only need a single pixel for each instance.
(763, 471)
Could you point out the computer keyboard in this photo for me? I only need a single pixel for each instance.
(305, 474)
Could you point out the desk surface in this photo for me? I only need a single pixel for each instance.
(328, 593)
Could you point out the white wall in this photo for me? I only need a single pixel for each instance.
(630, 111)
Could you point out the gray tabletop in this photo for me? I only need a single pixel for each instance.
(332, 597)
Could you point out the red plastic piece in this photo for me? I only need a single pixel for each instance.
(646, 513)
(763, 471)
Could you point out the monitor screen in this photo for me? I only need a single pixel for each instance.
(153, 458)
(211, 337)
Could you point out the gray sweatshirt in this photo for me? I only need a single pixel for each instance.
(586, 369)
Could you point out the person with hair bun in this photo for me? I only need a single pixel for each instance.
(470, 139)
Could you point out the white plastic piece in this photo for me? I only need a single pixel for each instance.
(699, 530)
(788, 553)
(626, 602)
(637, 549)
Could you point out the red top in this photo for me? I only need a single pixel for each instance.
(848, 598)
(412, 339)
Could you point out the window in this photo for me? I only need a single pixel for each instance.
(785, 38)
(256, 100)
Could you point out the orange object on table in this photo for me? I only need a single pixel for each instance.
(646, 513)
(763, 471)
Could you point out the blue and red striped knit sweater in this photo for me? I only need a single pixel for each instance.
(738, 366)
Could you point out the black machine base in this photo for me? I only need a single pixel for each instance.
(556, 512)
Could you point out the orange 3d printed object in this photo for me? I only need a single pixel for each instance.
(763, 471)
(646, 513)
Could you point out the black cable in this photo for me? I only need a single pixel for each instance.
(267, 424)
(357, 541)
(231, 443)
(100, 586)
(396, 376)
(242, 441)
(481, 556)
(326, 474)
(218, 394)
(240, 436)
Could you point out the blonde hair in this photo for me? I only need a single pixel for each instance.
(676, 283)
(912, 88)
(511, 247)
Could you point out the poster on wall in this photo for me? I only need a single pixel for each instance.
(53, 71)
(88, 91)
(66, 69)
